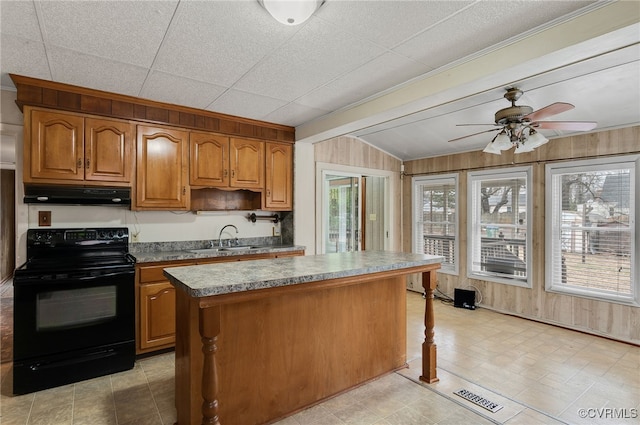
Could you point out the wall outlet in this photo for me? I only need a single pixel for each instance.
(276, 231)
(134, 236)
(44, 218)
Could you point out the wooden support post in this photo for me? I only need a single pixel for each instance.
(209, 330)
(429, 352)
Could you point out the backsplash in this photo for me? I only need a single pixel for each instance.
(285, 238)
(147, 247)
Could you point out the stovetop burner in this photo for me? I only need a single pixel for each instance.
(60, 252)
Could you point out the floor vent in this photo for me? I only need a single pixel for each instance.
(479, 400)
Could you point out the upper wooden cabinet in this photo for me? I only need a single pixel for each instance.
(226, 163)
(67, 148)
(70, 148)
(278, 193)
(161, 173)
(209, 160)
(247, 163)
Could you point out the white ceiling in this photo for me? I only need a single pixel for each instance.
(397, 74)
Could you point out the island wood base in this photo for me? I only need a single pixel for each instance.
(253, 357)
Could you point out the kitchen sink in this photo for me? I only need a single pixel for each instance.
(237, 248)
(204, 250)
(222, 248)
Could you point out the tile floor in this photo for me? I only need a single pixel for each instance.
(540, 374)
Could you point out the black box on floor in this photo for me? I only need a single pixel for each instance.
(463, 298)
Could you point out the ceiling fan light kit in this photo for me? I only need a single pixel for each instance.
(535, 139)
(492, 148)
(522, 148)
(291, 12)
(503, 142)
(517, 125)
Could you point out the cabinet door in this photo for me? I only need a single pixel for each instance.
(209, 160)
(157, 314)
(55, 147)
(279, 179)
(161, 179)
(108, 150)
(247, 163)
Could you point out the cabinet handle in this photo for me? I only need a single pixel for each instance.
(79, 163)
(268, 193)
(226, 172)
(88, 163)
(155, 297)
(233, 174)
(184, 190)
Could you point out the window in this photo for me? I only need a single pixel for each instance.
(591, 235)
(435, 201)
(499, 225)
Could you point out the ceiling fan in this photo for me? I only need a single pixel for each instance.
(518, 124)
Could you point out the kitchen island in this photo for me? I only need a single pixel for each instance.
(259, 340)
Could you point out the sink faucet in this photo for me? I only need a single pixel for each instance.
(221, 230)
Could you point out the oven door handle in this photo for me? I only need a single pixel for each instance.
(114, 274)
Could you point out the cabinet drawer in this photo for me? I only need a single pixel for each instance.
(154, 273)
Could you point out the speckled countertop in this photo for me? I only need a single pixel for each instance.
(187, 254)
(223, 278)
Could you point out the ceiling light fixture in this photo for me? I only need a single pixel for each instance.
(518, 125)
(291, 12)
(521, 135)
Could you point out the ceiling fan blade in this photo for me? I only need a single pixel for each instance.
(469, 135)
(566, 125)
(547, 111)
(464, 125)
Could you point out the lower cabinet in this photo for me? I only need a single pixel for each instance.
(156, 324)
(156, 300)
(157, 311)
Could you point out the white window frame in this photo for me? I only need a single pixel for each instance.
(554, 221)
(442, 179)
(474, 235)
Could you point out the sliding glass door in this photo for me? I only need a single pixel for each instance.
(354, 212)
(341, 213)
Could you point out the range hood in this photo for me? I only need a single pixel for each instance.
(74, 195)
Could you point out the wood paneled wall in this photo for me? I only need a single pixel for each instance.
(617, 321)
(351, 151)
(345, 150)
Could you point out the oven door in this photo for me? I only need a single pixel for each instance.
(57, 315)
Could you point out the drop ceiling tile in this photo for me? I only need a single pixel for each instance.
(248, 105)
(387, 23)
(123, 31)
(219, 41)
(315, 55)
(179, 90)
(19, 18)
(75, 68)
(294, 114)
(23, 57)
(383, 72)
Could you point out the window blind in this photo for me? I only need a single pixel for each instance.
(435, 218)
(499, 225)
(591, 246)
